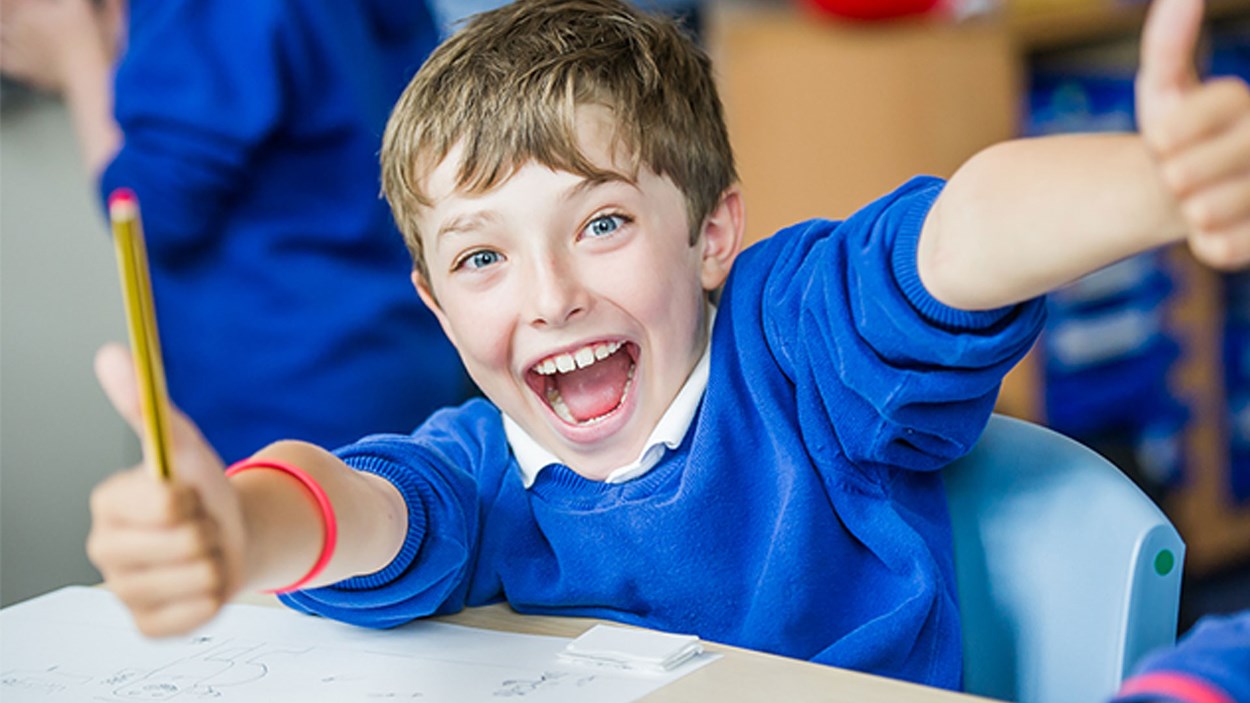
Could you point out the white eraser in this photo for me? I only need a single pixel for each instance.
(628, 648)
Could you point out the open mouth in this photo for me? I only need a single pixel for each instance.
(586, 385)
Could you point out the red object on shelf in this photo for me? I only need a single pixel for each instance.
(872, 9)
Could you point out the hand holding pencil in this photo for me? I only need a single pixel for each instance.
(168, 535)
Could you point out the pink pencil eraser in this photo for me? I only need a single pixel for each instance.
(122, 195)
(122, 201)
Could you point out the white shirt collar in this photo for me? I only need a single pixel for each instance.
(668, 433)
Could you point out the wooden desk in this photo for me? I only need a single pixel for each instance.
(739, 675)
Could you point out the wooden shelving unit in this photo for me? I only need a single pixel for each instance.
(1044, 26)
(826, 116)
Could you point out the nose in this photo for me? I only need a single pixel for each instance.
(556, 294)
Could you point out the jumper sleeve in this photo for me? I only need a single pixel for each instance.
(200, 88)
(899, 379)
(439, 471)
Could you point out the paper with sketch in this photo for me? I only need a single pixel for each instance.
(78, 644)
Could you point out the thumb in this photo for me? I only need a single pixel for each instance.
(115, 371)
(1169, 40)
(112, 19)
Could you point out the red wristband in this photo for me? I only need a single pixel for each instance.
(329, 524)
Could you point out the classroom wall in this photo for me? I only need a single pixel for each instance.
(59, 300)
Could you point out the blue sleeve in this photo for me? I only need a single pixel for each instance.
(197, 92)
(1211, 664)
(901, 380)
(434, 470)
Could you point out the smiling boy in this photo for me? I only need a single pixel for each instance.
(763, 472)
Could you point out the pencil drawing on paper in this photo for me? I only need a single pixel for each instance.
(548, 679)
(202, 674)
(206, 674)
(217, 668)
(77, 645)
(40, 682)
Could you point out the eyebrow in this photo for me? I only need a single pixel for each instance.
(591, 183)
(465, 222)
(469, 221)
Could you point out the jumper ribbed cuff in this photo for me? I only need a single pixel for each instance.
(907, 276)
(413, 490)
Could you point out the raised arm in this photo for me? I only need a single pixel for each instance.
(67, 47)
(175, 553)
(1024, 217)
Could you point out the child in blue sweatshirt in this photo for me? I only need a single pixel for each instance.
(761, 472)
(1211, 664)
(248, 130)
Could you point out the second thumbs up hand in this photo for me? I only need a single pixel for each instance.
(1198, 133)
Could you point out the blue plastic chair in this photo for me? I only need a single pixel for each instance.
(1067, 573)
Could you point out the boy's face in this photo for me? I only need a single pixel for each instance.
(578, 307)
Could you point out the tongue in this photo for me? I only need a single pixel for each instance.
(596, 389)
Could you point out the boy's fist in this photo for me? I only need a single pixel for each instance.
(172, 552)
(159, 551)
(1199, 134)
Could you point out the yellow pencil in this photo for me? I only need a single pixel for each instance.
(132, 261)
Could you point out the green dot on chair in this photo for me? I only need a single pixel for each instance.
(1164, 561)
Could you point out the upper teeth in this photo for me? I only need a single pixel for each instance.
(578, 359)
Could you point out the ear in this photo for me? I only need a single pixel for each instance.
(427, 297)
(722, 237)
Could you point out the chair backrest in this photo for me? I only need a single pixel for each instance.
(1067, 573)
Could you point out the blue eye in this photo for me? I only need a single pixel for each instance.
(479, 259)
(605, 225)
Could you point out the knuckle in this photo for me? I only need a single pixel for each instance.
(195, 539)
(199, 540)
(1226, 265)
(1178, 177)
(126, 590)
(1224, 253)
(150, 624)
(200, 611)
(214, 576)
(110, 577)
(176, 617)
(1201, 216)
(170, 508)
(96, 551)
(104, 495)
(1157, 138)
(96, 501)
(1234, 88)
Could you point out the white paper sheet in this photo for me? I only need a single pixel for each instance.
(78, 644)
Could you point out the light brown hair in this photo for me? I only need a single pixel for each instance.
(507, 87)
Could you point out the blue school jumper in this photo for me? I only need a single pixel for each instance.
(251, 130)
(802, 514)
(1210, 664)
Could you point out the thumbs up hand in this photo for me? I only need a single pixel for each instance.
(172, 552)
(1198, 133)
